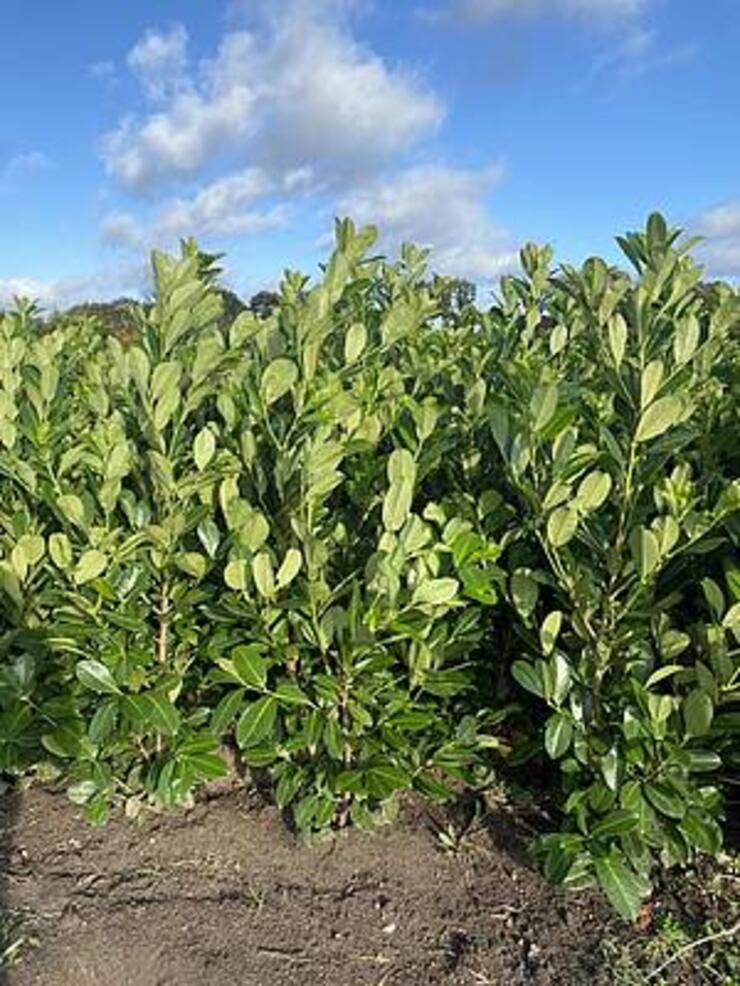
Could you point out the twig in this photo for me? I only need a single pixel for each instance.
(726, 933)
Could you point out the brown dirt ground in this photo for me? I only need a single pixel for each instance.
(223, 893)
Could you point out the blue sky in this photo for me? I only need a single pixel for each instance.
(470, 126)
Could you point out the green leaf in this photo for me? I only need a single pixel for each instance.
(610, 768)
(250, 666)
(557, 494)
(63, 742)
(257, 721)
(382, 780)
(622, 886)
(650, 381)
(549, 631)
(665, 800)
(617, 822)
(593, 490)
(524, 593)
(81, 792)
(645, 551)
(673, 643)
(32, 547)
(354, 342)
(657, 230)
(698, 712)
(288, 786)
(278, 378)
(667, 532)
(289, 693)
(192, 563)
(103, 722)
(401, 465)
(731, 620)
(562, 524)
(235, 575)
(558, 734)
(686, 339)
(91, 564)
(263, 575)
(397, 504)
(617, 338)
(290, 567)
(205, 766)
(60, 550)
(209, 536)
(558, 678)
(558, 339)
(701, 831)
(435, 592)
(70, 506)
(156, 710)
(714, 597)
(499, 422)
(544, 406)
(664, 672)
(658, 418)
(255, 531)
(529, 676)
(226, 711)
(96, 677)
(204, 448)
(703, 760)
(10, 585)
(350, 781)
(19, 562)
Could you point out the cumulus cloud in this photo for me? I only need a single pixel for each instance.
(442, 208)
(23, 287)
(290, 115)
(720, 251)
(160, 61)
(298, 91)
(223, 208)
(61, 292)
(180, 141)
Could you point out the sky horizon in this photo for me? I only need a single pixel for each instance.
(469, 126)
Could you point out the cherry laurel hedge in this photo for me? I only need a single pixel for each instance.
(378, 540)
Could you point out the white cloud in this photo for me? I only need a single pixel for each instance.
(23, 287)
(486, 10)
(160, 61)
(720, 251)
(292, 115)
(23, 164)
(124, 230)
(112, 282)
(719, 221)
(179, 142)
(337, 106)
(298, 92)
(442, 208)
(223, 208)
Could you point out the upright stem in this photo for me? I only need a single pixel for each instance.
(164, 610)
(347, 755)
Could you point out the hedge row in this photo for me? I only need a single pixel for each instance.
(377, 540)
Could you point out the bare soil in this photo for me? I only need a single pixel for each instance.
(223, 893)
